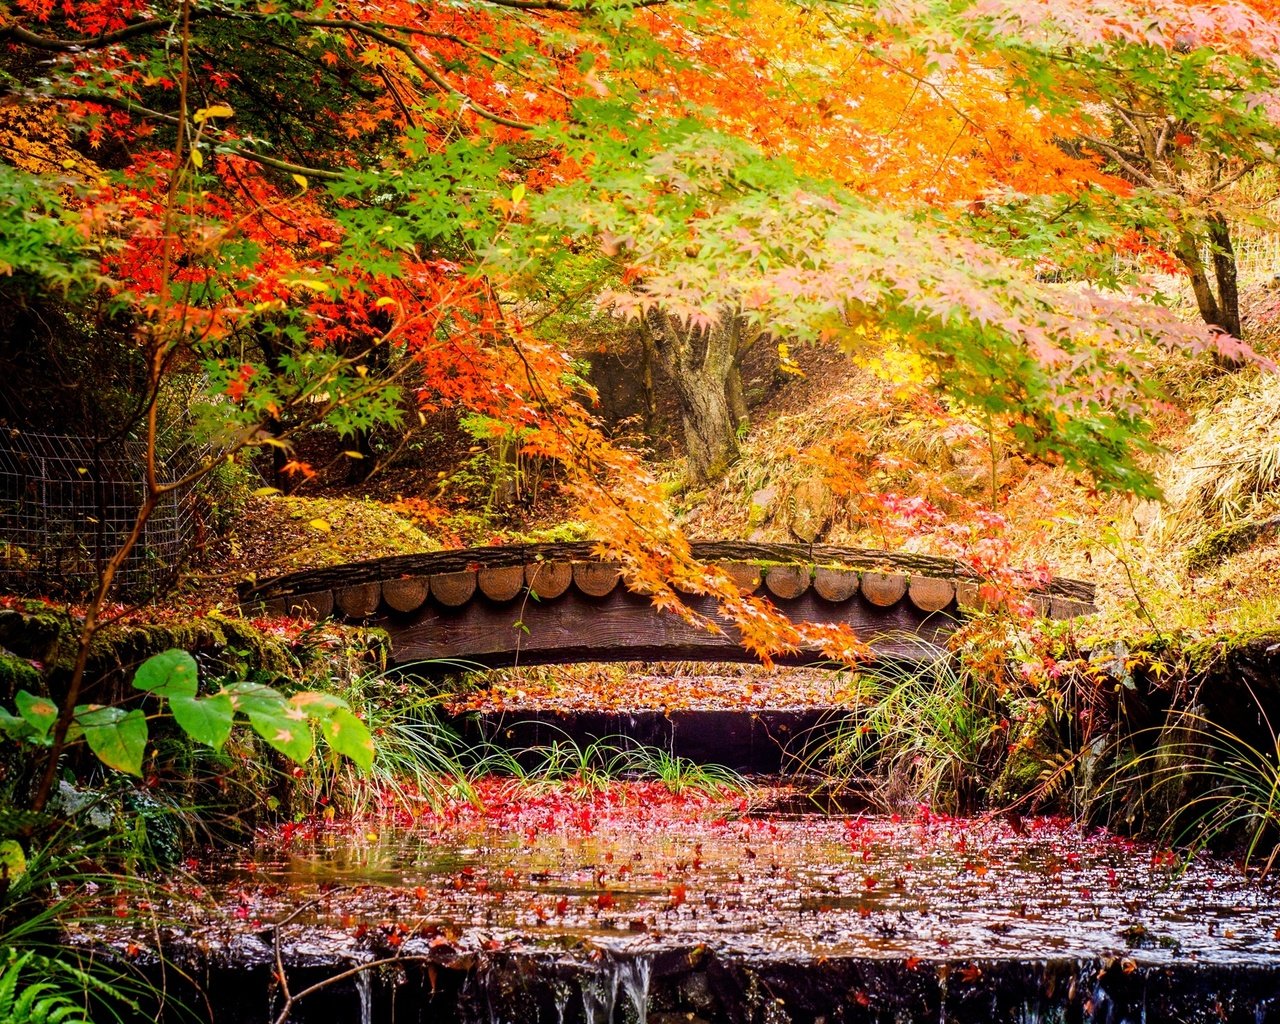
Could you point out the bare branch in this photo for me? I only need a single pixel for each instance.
(18, 34)
(431, 73)
(1123, 158)
(248, 154)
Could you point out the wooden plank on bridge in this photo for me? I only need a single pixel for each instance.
(626, 627)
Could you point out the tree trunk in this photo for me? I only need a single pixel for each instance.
(736, 398)
(1223, 309)
(648, 356)
(1225, 271)
(698, 362)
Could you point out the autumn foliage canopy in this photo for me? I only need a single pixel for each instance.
(342, 213)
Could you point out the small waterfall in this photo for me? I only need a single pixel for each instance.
(364, 989)
(600, 994)
(564, 992)
(629, 978)
(634, 976)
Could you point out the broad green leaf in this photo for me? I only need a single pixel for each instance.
(347, 735)
(206, 720)
(256, 698)
(15, 727)
(39, 712)
(172, 673)
(118, 737)
(288, 730)
(318, 704)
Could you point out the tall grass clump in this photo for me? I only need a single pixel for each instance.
(920, 733)
(1215, 787)
(68, 884)
(584, 769)
(418, 760)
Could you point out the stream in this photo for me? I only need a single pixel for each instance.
(636, 905)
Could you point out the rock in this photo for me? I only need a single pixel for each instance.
(760, 506)
(812, 505)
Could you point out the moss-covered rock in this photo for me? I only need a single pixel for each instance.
(17, 674)
(38, 635)
(1220, 545)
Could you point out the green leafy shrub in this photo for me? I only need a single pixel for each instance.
(119, 737)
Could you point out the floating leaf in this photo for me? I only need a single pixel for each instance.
(172, 673)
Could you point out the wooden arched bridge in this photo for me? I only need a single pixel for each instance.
(557, 603)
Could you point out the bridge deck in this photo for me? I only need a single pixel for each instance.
(546, 603)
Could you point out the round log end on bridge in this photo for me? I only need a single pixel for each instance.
(835, 585)
(359, 601)
(595, 579)
(548, 580)
(884, 589)
(745, 575)
(787, 581)
(406, 595)
(930, 594)
(501, 583)
(454, 589)
(316, 605)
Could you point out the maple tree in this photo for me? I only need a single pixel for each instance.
(1178, 99)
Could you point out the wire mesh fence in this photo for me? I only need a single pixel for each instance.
(67, 503)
